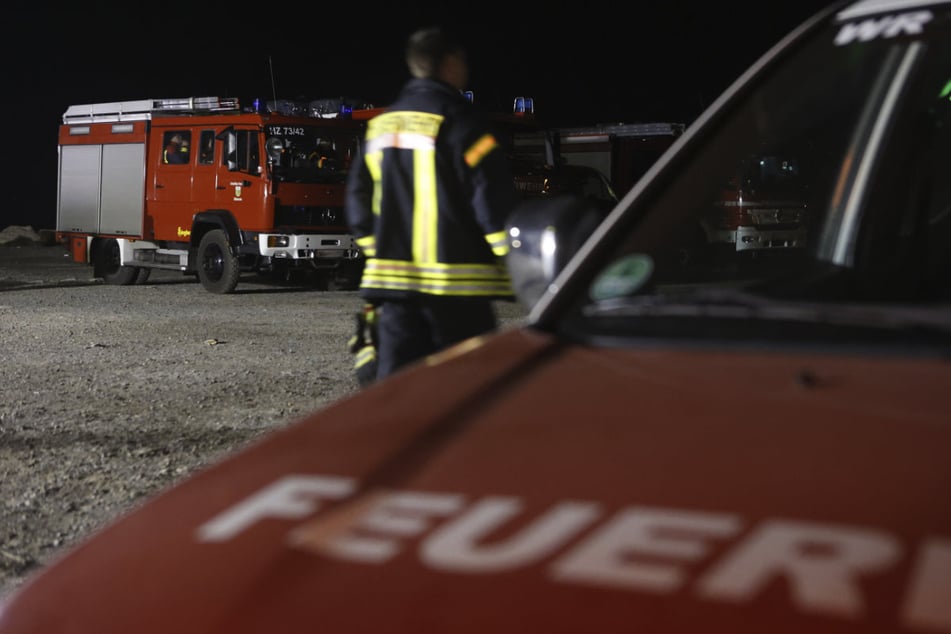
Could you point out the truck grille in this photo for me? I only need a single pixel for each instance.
(298, 216)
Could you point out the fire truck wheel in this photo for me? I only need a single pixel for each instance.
(108, 268)
(218, 268)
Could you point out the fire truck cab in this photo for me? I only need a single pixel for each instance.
(206, 187)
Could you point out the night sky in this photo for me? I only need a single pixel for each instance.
(584, 63)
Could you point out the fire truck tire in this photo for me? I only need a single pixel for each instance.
(218, 268)
(108, 268)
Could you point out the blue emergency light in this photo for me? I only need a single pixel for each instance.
(524, 105)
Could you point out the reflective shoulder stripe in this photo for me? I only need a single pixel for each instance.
(403, 141)
(479, 149)
(408, 130)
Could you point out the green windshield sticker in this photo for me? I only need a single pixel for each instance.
(624, 277)
(946, 91)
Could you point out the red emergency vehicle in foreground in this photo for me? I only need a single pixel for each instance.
(205, 186)
(656, 448)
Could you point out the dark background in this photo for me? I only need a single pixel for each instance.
(584, 63)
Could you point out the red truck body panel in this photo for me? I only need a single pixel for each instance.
(472, 501)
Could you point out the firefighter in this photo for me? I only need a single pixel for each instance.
(177, 150)
(323, 155)
(427, 202)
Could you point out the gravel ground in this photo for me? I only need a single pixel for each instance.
(111, 393)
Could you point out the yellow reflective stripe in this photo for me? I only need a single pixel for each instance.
(373, 161)
(498, 242)
(454, 290)
(365, 355)
(450, 287)
(414, 131)
(434, 269)
(367, 244)
(425, 206)
(402, 141)
(473, 279)
(403, 129)
(479, 149)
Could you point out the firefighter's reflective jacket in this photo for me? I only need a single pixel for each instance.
(428, 199)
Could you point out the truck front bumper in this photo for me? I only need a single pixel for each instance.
(747, 238)
(310, 246)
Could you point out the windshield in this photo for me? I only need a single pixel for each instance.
(827, 183)
(309, 154)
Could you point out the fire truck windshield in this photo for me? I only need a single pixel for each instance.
(302, 154)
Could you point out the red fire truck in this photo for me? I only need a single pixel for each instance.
(207, 187)
(600, 163)
(763, 207)
(622, 152)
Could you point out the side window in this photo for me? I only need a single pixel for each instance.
(254, 154)
(177, 144)
(248, 155)
(206, 145)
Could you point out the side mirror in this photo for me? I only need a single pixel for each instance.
(230, 141)
(543, 235)
(274, 147)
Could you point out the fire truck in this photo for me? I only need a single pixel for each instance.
(599, 163)
(761, 214)
(207, 187)
(620, 151)
(763, 207)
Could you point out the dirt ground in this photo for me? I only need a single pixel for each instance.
(111, 393)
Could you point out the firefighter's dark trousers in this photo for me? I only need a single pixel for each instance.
(413, 328)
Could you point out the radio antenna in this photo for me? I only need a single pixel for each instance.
(270, 64)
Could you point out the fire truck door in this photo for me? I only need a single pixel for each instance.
(240, 187)
(207, 171)
(172, 206)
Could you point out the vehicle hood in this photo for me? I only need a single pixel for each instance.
(525, 485)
